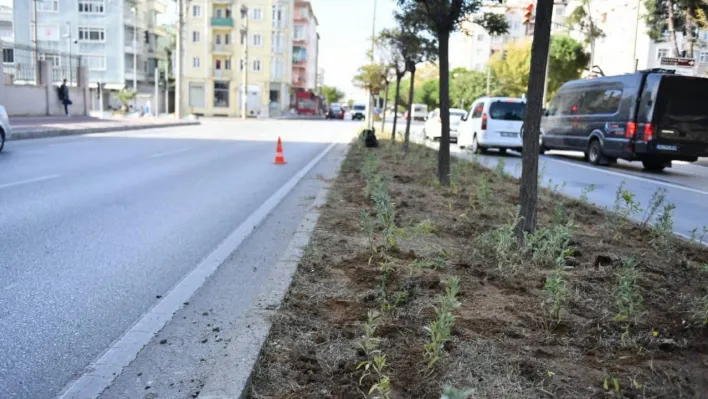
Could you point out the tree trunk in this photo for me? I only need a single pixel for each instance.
(407, 137)
(399, 76)
(672, 28)
(444, 152)
(529, 170)
(690, 25)
(383, 112)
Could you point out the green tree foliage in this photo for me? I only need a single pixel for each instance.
(672, 16)
(465, 87)
(332, 94)
(567, 61)
(581, 18)
(440, 18)
(371, 77)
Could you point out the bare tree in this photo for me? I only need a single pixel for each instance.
(532, 120)
(440, 18)
(390, 43)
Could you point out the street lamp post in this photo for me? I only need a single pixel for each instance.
(135, 48)
(68, 35)
(244, 36)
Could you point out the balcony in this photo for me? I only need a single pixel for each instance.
(223, 73)
(223, 1)
(223, 22)
(222, 49)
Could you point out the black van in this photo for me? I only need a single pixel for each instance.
(651, 116)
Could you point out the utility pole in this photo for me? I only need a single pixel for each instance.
(178, 78)
(135, 49)
(167, 85)
(244, 36)
(636, 37)
(156, 104)
(37, 73)
(370, 115)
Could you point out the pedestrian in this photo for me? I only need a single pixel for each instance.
(64, 97)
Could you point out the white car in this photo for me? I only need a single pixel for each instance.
(5, 128)
(432, 130)
(493, 122)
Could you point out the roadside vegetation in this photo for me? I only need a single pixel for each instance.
(410, 289)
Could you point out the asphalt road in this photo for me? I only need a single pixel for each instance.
(95, 229)
(686, 184)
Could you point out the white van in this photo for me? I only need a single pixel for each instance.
(492, 122)
(432, 130)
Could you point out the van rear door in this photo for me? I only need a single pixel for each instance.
(680, 117)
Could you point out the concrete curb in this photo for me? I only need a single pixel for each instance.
(45, 133)
(231, 378)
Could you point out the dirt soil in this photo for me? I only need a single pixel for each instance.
(504, 344)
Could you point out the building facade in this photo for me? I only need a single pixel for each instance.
(102, 32)
(473, 48)
(214, 51)
(305, 47)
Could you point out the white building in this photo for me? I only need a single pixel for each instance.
(473, 48)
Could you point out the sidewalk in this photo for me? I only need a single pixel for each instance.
(53, 126)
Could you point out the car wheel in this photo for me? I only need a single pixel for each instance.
(594, 152)
(475, 147)
(502, 151)
(654, 165)
(2, 140)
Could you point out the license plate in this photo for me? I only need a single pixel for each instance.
(666, 147)
(509, 134)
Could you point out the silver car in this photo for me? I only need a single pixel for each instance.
(5, 128)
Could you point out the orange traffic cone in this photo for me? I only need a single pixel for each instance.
(279, 158)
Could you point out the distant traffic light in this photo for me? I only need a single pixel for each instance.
(528, 14)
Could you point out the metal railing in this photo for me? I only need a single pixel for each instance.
(20, 64)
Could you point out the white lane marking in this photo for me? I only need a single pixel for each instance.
(34, 180)
(167, 153)
(100, 374)
(629, 175)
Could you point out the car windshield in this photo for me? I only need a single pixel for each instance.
(507, 111)
(359, 107)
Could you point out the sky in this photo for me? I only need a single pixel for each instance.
(345, 36)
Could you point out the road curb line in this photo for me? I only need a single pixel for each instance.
(47, 133)
(100, 374)
(233, 373)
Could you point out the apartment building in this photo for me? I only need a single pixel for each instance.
(213, 57)
(473, 48)
(626, 47)
(305, 47)
(111, 36)
(6, 32)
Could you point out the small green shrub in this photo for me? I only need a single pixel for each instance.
(555, 292)
(662, 232)
(439, 330)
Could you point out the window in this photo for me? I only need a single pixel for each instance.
(217, 40)
(600, 102)
(92, 6)
(507, 111)
(256, 66)
(257, 14)
(196, 11)
(217, 65)
(276, 68)
(662, 52)
(567, 104)
(95, 62)
(276, 42)
(92, 34)
(219, 13)
(480, 38)
(8, 55)
(196, 95)
(227, 38)
(47, 5)
(227, 65)
(278, 16)
(703, 57)
(196, 62)
(257, 39)
(221, 94)
(477, 110)
(299, 32)
(196, 36)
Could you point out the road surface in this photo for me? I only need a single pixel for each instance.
(96, 229)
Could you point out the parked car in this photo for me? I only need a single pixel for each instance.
(5, 128)
(432, 129)
(492, 122)
(652, 116)
(359, 112)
